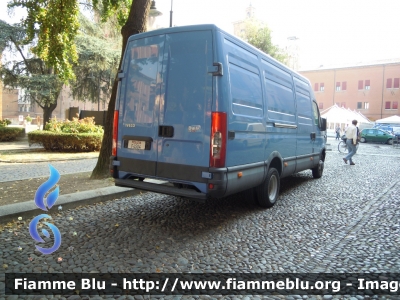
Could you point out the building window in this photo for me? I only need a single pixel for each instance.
(396, 83)
(320, 105)
(359, 105)
(344, 85)
(366, 105)
(367, 85)
(337, 86)
(321, 87)
(389, 83)
(343, 104)
(387, 105)
(395, 105)
(316, 87)
(360, 85)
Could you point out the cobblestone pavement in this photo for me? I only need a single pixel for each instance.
(347, 221)
(21, 171)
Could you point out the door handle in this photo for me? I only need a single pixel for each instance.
(165, 131)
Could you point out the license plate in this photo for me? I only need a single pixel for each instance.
(136, 145)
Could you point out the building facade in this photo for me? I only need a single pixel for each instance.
(372, 89)
(9, 105)
(239, 27)
(12, 108)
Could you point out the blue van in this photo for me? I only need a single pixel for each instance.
(210, 116)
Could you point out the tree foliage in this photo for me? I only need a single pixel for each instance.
(54, 24)
(98, 56)
(260, 37)
(113, 8)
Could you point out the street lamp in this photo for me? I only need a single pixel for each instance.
(153, 7)
(293, 50)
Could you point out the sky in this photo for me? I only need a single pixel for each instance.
(329, 32)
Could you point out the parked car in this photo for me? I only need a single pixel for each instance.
(376, 136)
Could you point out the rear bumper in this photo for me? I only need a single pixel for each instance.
(218, 182)
(162, 188)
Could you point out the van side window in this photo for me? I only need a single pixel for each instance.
(303, 100)
(246, 92)
(316, 114)
(279, 92)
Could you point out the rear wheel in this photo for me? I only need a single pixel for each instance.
(342, 147)
(268, 192)
(318, 170)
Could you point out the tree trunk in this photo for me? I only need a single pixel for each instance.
(136, 23)
(47, 110)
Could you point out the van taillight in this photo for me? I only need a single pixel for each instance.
(218, 140)
(115, 133)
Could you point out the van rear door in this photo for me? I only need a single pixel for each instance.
(165, 115)
(185, 106)
(139, 105)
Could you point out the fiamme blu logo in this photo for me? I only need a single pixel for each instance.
(46, 205)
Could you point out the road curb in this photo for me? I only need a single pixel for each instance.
(28, 209)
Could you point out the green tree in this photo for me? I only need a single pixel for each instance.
(259, 36)
(98, 50)
(43, 15)
(49, 29)
(28, 72)
(54, 26)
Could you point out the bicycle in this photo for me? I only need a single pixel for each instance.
(342, 147)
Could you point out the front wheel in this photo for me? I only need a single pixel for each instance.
(363, 140)
(390, 141)
(268, 192)
(342, 147)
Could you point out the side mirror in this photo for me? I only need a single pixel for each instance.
(323, 124)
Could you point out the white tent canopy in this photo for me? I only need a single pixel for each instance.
(340, 116)
(389, 120)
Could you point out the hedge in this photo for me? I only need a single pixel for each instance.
(10, 133)
(68, 142)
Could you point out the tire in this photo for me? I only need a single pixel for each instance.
(390, 141)
(268, 192)
(342, 147)
(318, 170)
(363, 140)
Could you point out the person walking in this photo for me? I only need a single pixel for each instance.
(337, 132)
(351, 142)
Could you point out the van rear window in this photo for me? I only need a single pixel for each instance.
(143, 67)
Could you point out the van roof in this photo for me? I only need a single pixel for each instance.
(213, 27)
(175, 29)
